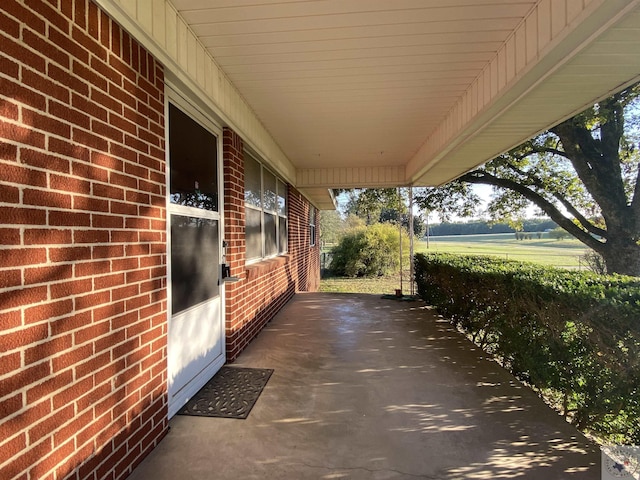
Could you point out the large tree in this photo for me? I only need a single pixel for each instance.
(369, 203)
(583, 173)
(383, 205)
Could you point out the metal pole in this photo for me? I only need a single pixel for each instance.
(400, 233)
(411, 272)
(428, 229)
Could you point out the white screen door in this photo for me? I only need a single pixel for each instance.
(195, 346)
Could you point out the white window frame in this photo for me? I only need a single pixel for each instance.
(282, 217)
(279, 217)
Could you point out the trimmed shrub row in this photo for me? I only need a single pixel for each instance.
(573, 336)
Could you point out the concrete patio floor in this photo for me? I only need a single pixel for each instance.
(367, 388)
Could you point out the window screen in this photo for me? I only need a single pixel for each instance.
(194, 266)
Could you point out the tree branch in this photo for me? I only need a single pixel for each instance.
(537, 149)
(579, 217)
(597, 165)
(611, 132)
(553, 151)
(635, 201)
(482, 177)
(590, 227)
(577, 155)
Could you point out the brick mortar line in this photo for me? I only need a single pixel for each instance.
(76, 161)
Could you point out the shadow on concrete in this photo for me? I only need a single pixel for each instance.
(371, 388)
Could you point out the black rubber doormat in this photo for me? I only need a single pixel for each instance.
(231, 393)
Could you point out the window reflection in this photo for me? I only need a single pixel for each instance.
(265, 211)
(270, 235)
(196, 200)
(282, 234)
(253, 238)
(252, 182)
(270, 196)
(282, 198)
(193, 152)
(194, 261)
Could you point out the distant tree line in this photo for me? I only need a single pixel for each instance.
(481, 227)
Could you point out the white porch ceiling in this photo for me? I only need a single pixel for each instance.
(398, 92)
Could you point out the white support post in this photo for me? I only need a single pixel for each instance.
(411, 272)
(400, 234)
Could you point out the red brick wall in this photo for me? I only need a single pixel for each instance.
(83, 247)
(264, 287)
(306, 258)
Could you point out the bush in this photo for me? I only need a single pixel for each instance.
(369, 251)
(559, 233)
(573, 336)
(594, 262)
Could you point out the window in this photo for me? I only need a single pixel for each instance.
(193, 212)
(283, 240)
(312, 225)
(265, 200)
(194, 266)
(194, 175)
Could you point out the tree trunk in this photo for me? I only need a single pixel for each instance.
(621, 257)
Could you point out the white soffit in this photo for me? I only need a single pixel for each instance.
(352, 82)
(421, 90)
(592, 61)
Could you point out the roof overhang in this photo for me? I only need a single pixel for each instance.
(382, 93)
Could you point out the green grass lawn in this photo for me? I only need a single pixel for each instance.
(377, 285)
(560, 253)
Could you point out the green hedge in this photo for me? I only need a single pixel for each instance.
(573, 336)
